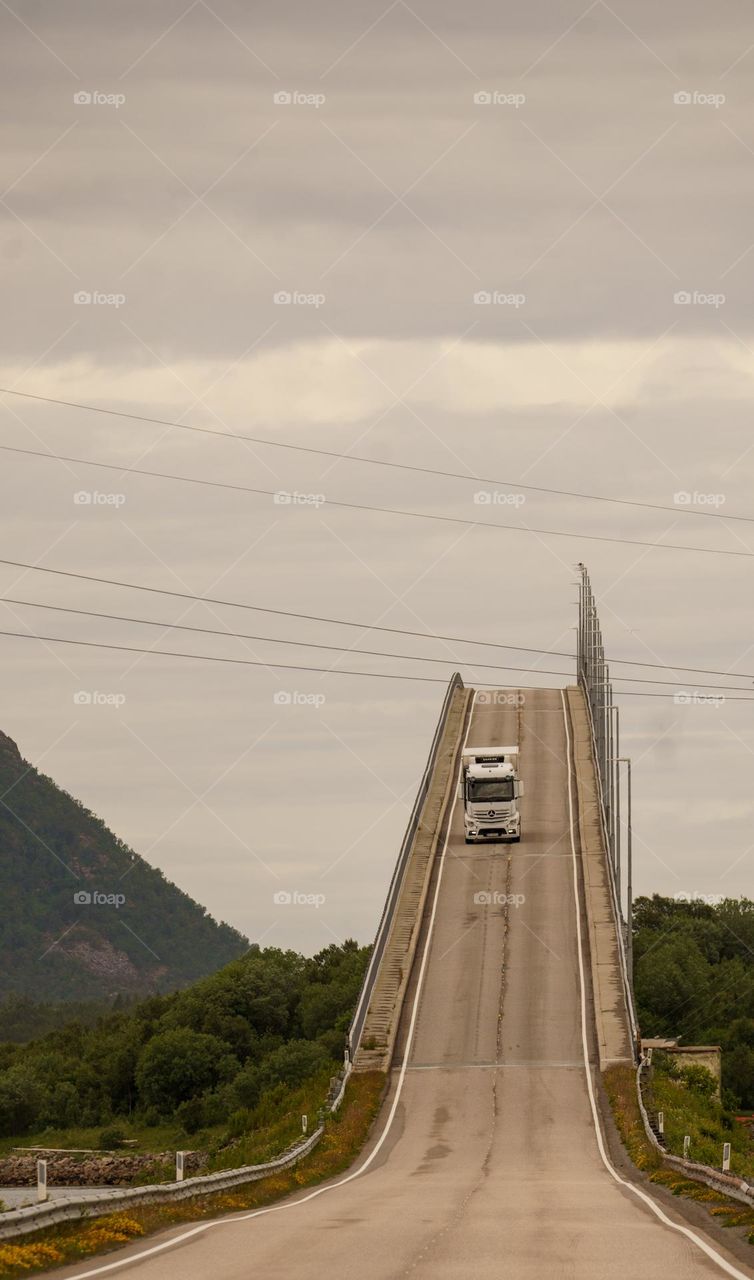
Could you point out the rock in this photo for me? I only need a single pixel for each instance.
(96, 1171)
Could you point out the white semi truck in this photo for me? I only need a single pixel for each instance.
(491, 788)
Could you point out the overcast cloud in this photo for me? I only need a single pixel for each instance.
(587, 170)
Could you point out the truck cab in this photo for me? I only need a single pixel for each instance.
(491, 787)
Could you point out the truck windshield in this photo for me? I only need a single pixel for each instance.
(490, 789)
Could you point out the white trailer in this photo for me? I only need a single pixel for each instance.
(491, 787)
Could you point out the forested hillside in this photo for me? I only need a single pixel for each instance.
(82, 917)
(694, 979)
(207, 1055)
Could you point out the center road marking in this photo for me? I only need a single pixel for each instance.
(495, 1066)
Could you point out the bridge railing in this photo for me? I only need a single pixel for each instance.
(604, 719)
(357, 1023)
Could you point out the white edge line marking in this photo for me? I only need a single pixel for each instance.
(636, 1191)
(135, 1259)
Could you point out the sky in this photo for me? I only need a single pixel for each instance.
(504, 241)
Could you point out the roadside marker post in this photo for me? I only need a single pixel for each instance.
(41, 1181)
(180, 1166)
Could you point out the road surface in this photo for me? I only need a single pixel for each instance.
(20, 1197)
(486, 1161)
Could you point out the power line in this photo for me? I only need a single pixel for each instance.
(300, 644)
(342, 622)
(335, 648)
(285, 666)
(375, 462)
(389, 511)
(205, 657)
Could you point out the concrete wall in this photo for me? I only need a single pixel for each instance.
(614, 1037)
(381, 1024)
(687, 1055)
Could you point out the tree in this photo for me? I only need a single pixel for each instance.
(180, 1064)
(22, 1099)
(250, 1032)
(694, 978)
(671, 981)
(738, 1074)
(294, 1063)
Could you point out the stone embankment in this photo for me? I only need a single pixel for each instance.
(108, 1169)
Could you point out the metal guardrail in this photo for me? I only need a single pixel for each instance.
(18, 1222)
(726, 1183)
(357, 1022)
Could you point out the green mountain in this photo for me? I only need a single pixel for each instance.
(82, 917)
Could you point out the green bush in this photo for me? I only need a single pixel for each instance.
(295, 1062)
(111, 1139)
(180, 1064)
(218, 1105)
(190, 1115)
(247, 1086)
(699, 1080)
(239, 1123)
(270, 1107)
(22, 1100)
(334, 1043)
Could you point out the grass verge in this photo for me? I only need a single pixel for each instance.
(264, 1132)
(345, 1135)
(620, 1086)
(707, 1124)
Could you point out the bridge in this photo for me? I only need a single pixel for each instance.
(499, 993)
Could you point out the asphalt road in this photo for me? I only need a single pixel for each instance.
(486, 1162)
(21, 1197)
